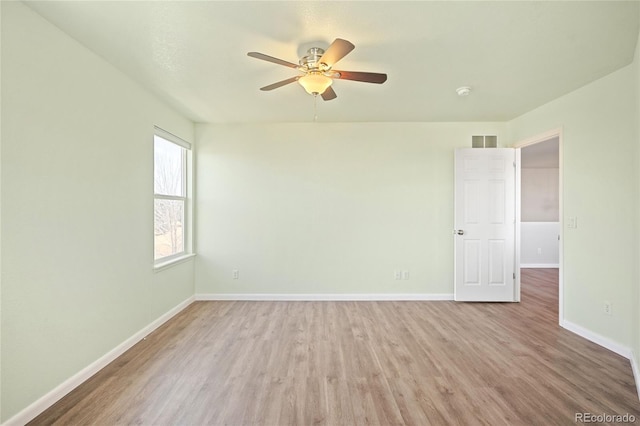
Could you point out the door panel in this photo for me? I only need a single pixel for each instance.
(496, 202)
(496, 262)
(472, 265)
(472, 201)
(485, 213)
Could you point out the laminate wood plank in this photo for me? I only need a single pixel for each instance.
(339, 407)
(366, 363)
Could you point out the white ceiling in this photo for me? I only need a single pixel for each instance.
(515, 55)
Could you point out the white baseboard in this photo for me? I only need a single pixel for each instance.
(325, 297)
(598, 339)
(636, 371)
(539, 265)
(609, 344)
(46, 401)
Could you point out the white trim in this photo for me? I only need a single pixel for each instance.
(168, 263)
(561, 230)
(171, 137)
(170, 197)
(46, 401)
(539, 265)
(518, 229)
(636, 371)
(539, 138)
(325, 297)
(598, 339)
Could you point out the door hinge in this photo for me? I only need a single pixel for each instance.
(514, 275)
(514, 164)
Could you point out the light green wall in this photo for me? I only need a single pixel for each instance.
(327, 208)
(297, 208)
(77, 209)
(636, 72)
(600, 188)
(0, 218)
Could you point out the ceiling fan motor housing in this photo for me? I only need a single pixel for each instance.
(311, 62)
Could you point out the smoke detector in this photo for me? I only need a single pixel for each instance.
(463, 91)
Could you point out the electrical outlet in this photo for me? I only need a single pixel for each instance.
(236, 274)
(397, 275)
(405, 275)
(606, 308)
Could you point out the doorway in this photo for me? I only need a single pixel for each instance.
(540, 218)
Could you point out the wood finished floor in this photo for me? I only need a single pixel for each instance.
(343, 363)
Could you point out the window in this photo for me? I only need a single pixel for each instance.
(170, 160)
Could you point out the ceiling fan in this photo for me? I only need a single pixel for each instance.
(318, 74)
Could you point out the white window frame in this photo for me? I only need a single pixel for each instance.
(187, 252)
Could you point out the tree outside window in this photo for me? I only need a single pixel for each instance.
(169, 198)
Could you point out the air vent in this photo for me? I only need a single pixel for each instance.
(484, 141)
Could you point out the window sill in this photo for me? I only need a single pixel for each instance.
(161, 266)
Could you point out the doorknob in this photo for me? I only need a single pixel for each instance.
(459, 232)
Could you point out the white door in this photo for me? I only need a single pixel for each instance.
(485, 216)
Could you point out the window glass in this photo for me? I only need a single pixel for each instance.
(168, 171)
(168, 227)
(169, 182)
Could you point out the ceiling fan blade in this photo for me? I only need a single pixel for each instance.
(268, 58)
(329, 94)
(338, 50)
(367, 77)
(279, 84)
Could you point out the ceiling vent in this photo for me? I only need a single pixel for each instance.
(484, 141)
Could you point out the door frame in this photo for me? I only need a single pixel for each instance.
(543, 137)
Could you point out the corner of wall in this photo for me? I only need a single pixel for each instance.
(635, 361)
(1, 5)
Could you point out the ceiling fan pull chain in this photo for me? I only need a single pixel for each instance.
(315, 108)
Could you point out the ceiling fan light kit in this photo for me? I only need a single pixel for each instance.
(316, 67)
(315, 83)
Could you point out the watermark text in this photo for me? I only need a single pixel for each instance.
(604, 418)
